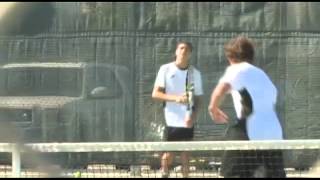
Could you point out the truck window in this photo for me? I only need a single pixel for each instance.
(44, 82)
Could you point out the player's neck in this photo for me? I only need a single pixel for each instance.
(182, 64)
(233, 62)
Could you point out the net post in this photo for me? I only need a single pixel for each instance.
(135, 170)
(16, 161)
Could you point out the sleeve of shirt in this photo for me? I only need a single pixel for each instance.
(160, 79)
(231, 77)
(198, 89)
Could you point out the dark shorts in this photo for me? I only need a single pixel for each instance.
(178, 134)
(246, 163)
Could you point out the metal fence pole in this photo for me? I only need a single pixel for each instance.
(16, 161)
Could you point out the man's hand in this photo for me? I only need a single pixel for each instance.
(218, 116)
(182, 99)
(217, 97)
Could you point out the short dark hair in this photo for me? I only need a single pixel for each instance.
(189, 45)
(240, 48)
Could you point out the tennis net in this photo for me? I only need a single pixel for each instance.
(142, 159)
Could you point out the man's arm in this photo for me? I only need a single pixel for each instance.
(159, 94)
(217, 97)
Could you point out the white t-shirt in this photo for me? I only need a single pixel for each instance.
(173, 80)
(262, 123)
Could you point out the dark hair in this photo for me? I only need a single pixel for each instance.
(240, 49)
(189, 45)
